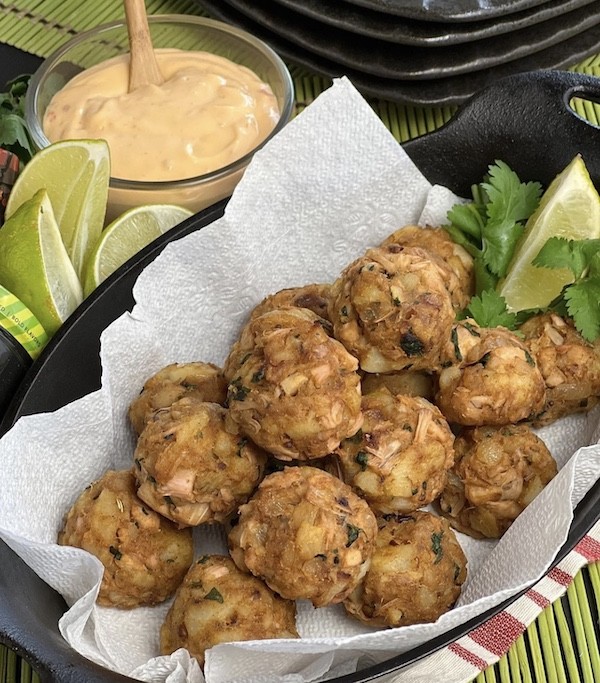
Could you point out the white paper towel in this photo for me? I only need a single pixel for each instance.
(332, 183)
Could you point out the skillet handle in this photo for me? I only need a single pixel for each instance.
(524, 120)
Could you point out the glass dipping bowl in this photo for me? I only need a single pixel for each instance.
(168, 31)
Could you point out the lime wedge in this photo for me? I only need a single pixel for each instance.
(75, 174)
(35, 266)
(569, 208)
(126, 235)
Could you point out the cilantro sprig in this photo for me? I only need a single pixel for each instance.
(580, 299)
(14, 135)
(490, 226)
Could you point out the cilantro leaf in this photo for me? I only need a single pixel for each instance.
(489, 310)
(576, 255)
(583, 304)
(14, 135)
(490, 226)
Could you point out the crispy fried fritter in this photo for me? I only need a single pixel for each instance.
(296, 392)
(391, 309)
(416, 572)
(494, 381)
(313, 297)
(145, 556)
(400, 458)
(456, 262)
(218, 603)
(404, 382)
(191, 469)
(569, 365)
(307, 534)
(498, 472)
(203, 381)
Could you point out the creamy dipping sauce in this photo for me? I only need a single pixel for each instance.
(208, 113)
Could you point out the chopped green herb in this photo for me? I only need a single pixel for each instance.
(14, 135)
(169, 501)
(258, 376)
(237, 391)
(436, 546)
(457, 352)
(411, 344)
(362, 458)
(240, 444)
(213, 594)
(115, 552)
(353, 532)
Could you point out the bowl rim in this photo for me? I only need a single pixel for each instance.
(41, 73)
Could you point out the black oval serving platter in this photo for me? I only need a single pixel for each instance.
(524, 120)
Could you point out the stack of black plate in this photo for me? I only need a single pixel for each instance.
(425, 52)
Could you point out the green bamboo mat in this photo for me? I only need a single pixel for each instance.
(562, 646)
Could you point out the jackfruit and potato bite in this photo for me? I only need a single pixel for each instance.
(493, 379)
(456, 263)
(203, 381)
(569, 365)
(218, 603)
(296, 392)
(498, 472)
(391, 309)
(314, 297)
(145, 556)
(400, 459)
(306, 534)
(416, 572)
(190, 468)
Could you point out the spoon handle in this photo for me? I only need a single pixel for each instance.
(143, 67)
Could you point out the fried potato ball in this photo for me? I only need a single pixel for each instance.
(403, 382)
(569, 365)
(190, 468)
(218, 603)
(495, 381)
(145, 556)
(400, 458)
(456, 262)
(498, 472)
(305, 533)
(296, 393)
(313, 297)
(416, 572)
(391, 309)
(203, 381)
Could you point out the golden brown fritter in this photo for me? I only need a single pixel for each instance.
(145, 556)
(404, 382)
(391, 309)
(416, 572)
(400, 458)
(305, 533)
(498, 472)
(569, 365)
(456, 262)
(313, 297)
(203, 381)
(218, 603)
(190, 468)
(296, 393)
(496, 381)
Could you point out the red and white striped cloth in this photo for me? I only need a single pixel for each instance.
(464, 659)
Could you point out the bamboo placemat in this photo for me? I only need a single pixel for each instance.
(562, 645)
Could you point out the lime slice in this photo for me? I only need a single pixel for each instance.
(75, 173)
(569, 208)
(35, 266)
(126, 235)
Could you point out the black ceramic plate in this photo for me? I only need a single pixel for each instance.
(434, 92)
(394, 61)
(367, 22)
(498, 123)
(448, 10)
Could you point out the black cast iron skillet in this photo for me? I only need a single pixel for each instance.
(524, 120)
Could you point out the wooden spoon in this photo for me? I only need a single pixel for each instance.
(143, 67)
